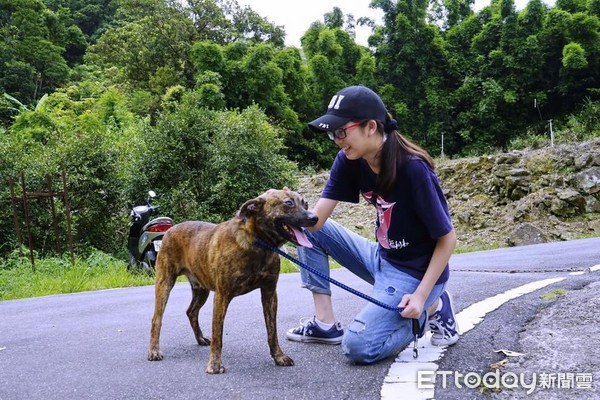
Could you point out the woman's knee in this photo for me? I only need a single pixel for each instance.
(356, 348)
(364, 346)
(359, 344)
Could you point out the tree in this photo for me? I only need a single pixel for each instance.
(449, 13)
(593, 7)
(140, 48)
(208, 56)
(365, 70)
(413, 70)
(574, 57)
(92, 17)
(224, 21)
(46, 58)
(265, 86)
(333, 57)
(334, 19)
(33, 40)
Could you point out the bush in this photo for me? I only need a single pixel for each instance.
(245, 160)
(211, 162)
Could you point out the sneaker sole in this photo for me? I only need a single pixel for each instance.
(443, 342)
(454, 338)
(308, 339)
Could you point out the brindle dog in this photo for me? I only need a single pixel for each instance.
(224, 258)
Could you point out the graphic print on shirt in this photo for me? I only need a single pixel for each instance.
(384, 219)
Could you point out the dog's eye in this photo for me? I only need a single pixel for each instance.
(305, 204)
(289, 203)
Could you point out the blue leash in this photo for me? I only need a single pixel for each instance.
(263, 243)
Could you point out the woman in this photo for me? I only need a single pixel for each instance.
(408, 266)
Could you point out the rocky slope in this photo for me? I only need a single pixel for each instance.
(507, 199)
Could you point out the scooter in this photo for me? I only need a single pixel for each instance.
(145, 235)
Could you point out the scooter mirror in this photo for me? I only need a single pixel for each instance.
(151, 194)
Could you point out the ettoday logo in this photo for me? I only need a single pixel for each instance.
(508, 380)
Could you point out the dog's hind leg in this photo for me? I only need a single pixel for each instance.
(269, 303)
(199, 296)
(164, 283)
(220, 305)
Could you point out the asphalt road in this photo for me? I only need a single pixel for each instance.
(93, 345)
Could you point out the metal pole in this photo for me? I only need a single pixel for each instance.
(442, 144)
(551, 134)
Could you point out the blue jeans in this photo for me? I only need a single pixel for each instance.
(375, 333)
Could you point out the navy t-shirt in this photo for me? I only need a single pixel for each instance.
(409, 221)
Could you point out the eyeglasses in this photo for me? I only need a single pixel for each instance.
(341, 132)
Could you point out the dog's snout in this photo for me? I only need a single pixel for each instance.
(313, 219)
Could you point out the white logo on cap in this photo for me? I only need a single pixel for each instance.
(324, 126)
(335, 102)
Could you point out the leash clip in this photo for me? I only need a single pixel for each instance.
(418, 329)
(415, 349)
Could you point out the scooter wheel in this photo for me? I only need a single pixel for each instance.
(132, 265)
(149, 260)
(146, 267)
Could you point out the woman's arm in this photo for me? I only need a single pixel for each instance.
(414, 303)
(323, 209)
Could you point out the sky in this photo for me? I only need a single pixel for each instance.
(296, 16)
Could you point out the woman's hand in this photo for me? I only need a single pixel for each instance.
(413, 305)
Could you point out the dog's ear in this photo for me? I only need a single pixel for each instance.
(250, 208)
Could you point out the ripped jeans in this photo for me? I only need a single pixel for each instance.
(375, 333)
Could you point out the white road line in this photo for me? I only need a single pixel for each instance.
(401, 380)
(592, 269)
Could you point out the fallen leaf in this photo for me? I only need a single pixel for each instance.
(499, 364)
(509, 353)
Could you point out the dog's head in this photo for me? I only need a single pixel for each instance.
(279, 216)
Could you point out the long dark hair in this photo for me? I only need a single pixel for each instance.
(395, 149)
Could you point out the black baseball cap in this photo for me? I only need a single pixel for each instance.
(353, 103)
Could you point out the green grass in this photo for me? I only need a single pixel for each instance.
(55, 275)
(287, 266)
(478, 246)
(553, 295)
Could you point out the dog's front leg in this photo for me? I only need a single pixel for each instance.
(269, 303)
(220, 305)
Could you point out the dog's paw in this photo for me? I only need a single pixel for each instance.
(215, 368)
(202, 341)
(284, 361)
(154, 355)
